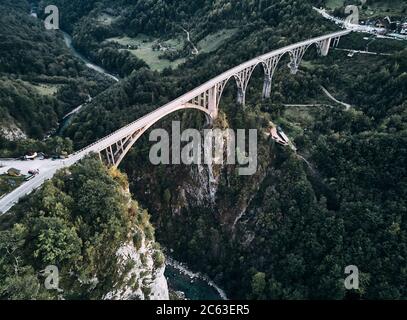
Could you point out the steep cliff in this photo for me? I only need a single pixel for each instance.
(85, 223)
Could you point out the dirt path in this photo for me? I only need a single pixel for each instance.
(346, 105)
(307, 105)
(195, 51)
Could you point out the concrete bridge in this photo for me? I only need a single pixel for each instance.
(113, 148)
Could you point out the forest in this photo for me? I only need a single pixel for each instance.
(77, 222)
(40, 80)
(287, 232)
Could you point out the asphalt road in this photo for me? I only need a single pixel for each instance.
(47, 170)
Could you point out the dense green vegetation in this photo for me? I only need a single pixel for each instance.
(146, 90)
(9, 183)
(77, 221)
(300, 226)
(304, 226)
(92, 22)
(54, 146)
(40, 80)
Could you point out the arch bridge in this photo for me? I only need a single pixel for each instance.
(113, 148)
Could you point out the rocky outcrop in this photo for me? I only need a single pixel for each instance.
(144, 278)
(141, 261)
(12, 132)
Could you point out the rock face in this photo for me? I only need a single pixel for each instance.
(141, 263)
(11, 132)
(144, 279)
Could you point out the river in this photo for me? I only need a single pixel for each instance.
(68, 42)
(90, 65)
(194, 286)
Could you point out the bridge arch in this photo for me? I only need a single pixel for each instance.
(116, 156)
(314, 45)
(242, 79)
(269, 66)
(284, 54)
(224, 84)
(262, 65)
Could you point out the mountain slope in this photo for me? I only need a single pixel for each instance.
(84, 222)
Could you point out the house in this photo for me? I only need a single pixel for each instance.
(277, 137)
(31, 156)
(282, 135)
(13, 172)
(379, 24)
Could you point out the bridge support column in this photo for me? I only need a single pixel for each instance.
(296, 56)
(324, 47)
(110, 156)
(293, 67)
(241, 97)
(336, 42)
(266, 87)
(213, 102)
(209, 121)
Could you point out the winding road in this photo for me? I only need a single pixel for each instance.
(330, 96)
(195, 50)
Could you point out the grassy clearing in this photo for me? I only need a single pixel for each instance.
(46, 89)
(213, 41)
(377, 9)
(105, 19)
(385, 8)
(8, 183)
(332, 4)
(301, 115)
(141, 47)
(296, 119)
(152, 59)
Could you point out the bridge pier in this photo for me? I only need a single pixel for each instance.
(266, 87)
(115, 146)
(241, 97)
(336, 41)
(296, 56)
(208, 121)
(213, 102)
(293, 67)
(324, 47)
